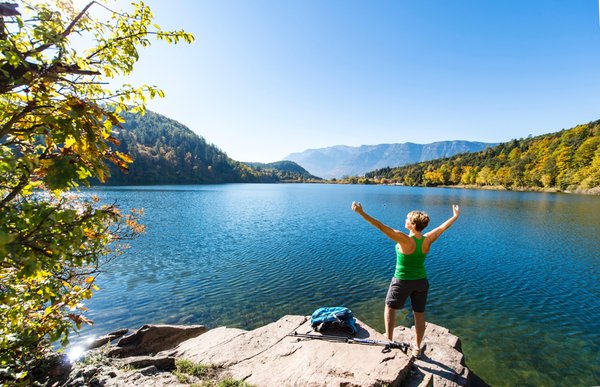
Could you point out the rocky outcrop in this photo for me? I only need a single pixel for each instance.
(267, 356)
(442, 362)
(272, 356)
(151, 339)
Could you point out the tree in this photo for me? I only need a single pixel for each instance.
(57, 111)
(484, 177)
(503, 176)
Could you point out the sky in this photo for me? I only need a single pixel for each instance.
(266, 78)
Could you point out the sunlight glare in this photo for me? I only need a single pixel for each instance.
(75, 353)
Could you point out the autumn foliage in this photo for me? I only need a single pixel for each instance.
(565, 160)
(58, 113)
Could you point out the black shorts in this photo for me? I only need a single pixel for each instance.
(400, 290)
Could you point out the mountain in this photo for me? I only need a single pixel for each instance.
(165, 151)
(566, 160)
(286, 170)
(341, 160)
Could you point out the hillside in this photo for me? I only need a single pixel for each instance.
(166, 152)
(284, 170)
(339, 161)
(565, 160)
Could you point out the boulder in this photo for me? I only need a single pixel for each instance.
(107, 338)
(442, 363)
(151, 339)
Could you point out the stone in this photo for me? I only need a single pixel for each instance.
(151, 370)
(61, 366)
(272, 356)
(164, 363)
(151, 339)
(107, 338)
(442, 362)
(267, 356)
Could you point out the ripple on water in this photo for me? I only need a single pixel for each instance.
(506, 278)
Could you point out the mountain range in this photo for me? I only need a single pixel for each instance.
(341, 161)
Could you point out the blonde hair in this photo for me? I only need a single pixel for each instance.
(419, 218)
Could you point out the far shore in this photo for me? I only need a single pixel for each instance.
(579, 191)
(590, 191)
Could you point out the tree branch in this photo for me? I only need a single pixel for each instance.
(7, 128)
(65, 33)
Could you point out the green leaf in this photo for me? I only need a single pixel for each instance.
(64, 140)
(6, 238)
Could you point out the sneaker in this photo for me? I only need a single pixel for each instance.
(416, 353)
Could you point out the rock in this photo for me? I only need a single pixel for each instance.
(151, 370)
(164, 363)
(442, 363)
(151, 339)
(108, 338)
(60, 366)
(89, 372)
(272, 356)
(267, 356)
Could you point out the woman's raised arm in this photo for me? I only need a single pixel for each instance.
(435, 233)
(395, 235)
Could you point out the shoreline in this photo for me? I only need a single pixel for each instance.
(579, 191)
(272, 354)
(589, 191)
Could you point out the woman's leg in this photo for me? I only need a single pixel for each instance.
(389, 316)
(419, 299)
(419, 328)
(395, 299)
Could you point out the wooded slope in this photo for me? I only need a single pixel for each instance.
(565, 160)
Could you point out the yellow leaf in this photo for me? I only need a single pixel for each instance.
(125, 157)
(70, 141)
(107, 124)
(89, 280)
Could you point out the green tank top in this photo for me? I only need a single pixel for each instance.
(411, 266)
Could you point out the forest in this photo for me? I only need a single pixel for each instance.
(285, 170)
(568, 160)
(165, 151)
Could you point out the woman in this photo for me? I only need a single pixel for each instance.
(410, 277)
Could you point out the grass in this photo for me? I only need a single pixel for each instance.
(190, 368)
(189, 372)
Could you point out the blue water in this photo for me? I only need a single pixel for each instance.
(517, 276)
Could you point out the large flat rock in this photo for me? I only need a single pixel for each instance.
(267, 356)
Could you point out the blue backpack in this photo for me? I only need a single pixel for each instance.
(336, 317)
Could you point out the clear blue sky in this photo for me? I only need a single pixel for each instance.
(266, 78)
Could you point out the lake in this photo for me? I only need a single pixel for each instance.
(516, 277)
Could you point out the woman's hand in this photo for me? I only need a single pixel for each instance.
(455, 210)
(357, 207)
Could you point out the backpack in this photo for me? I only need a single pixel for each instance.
(337, 317)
